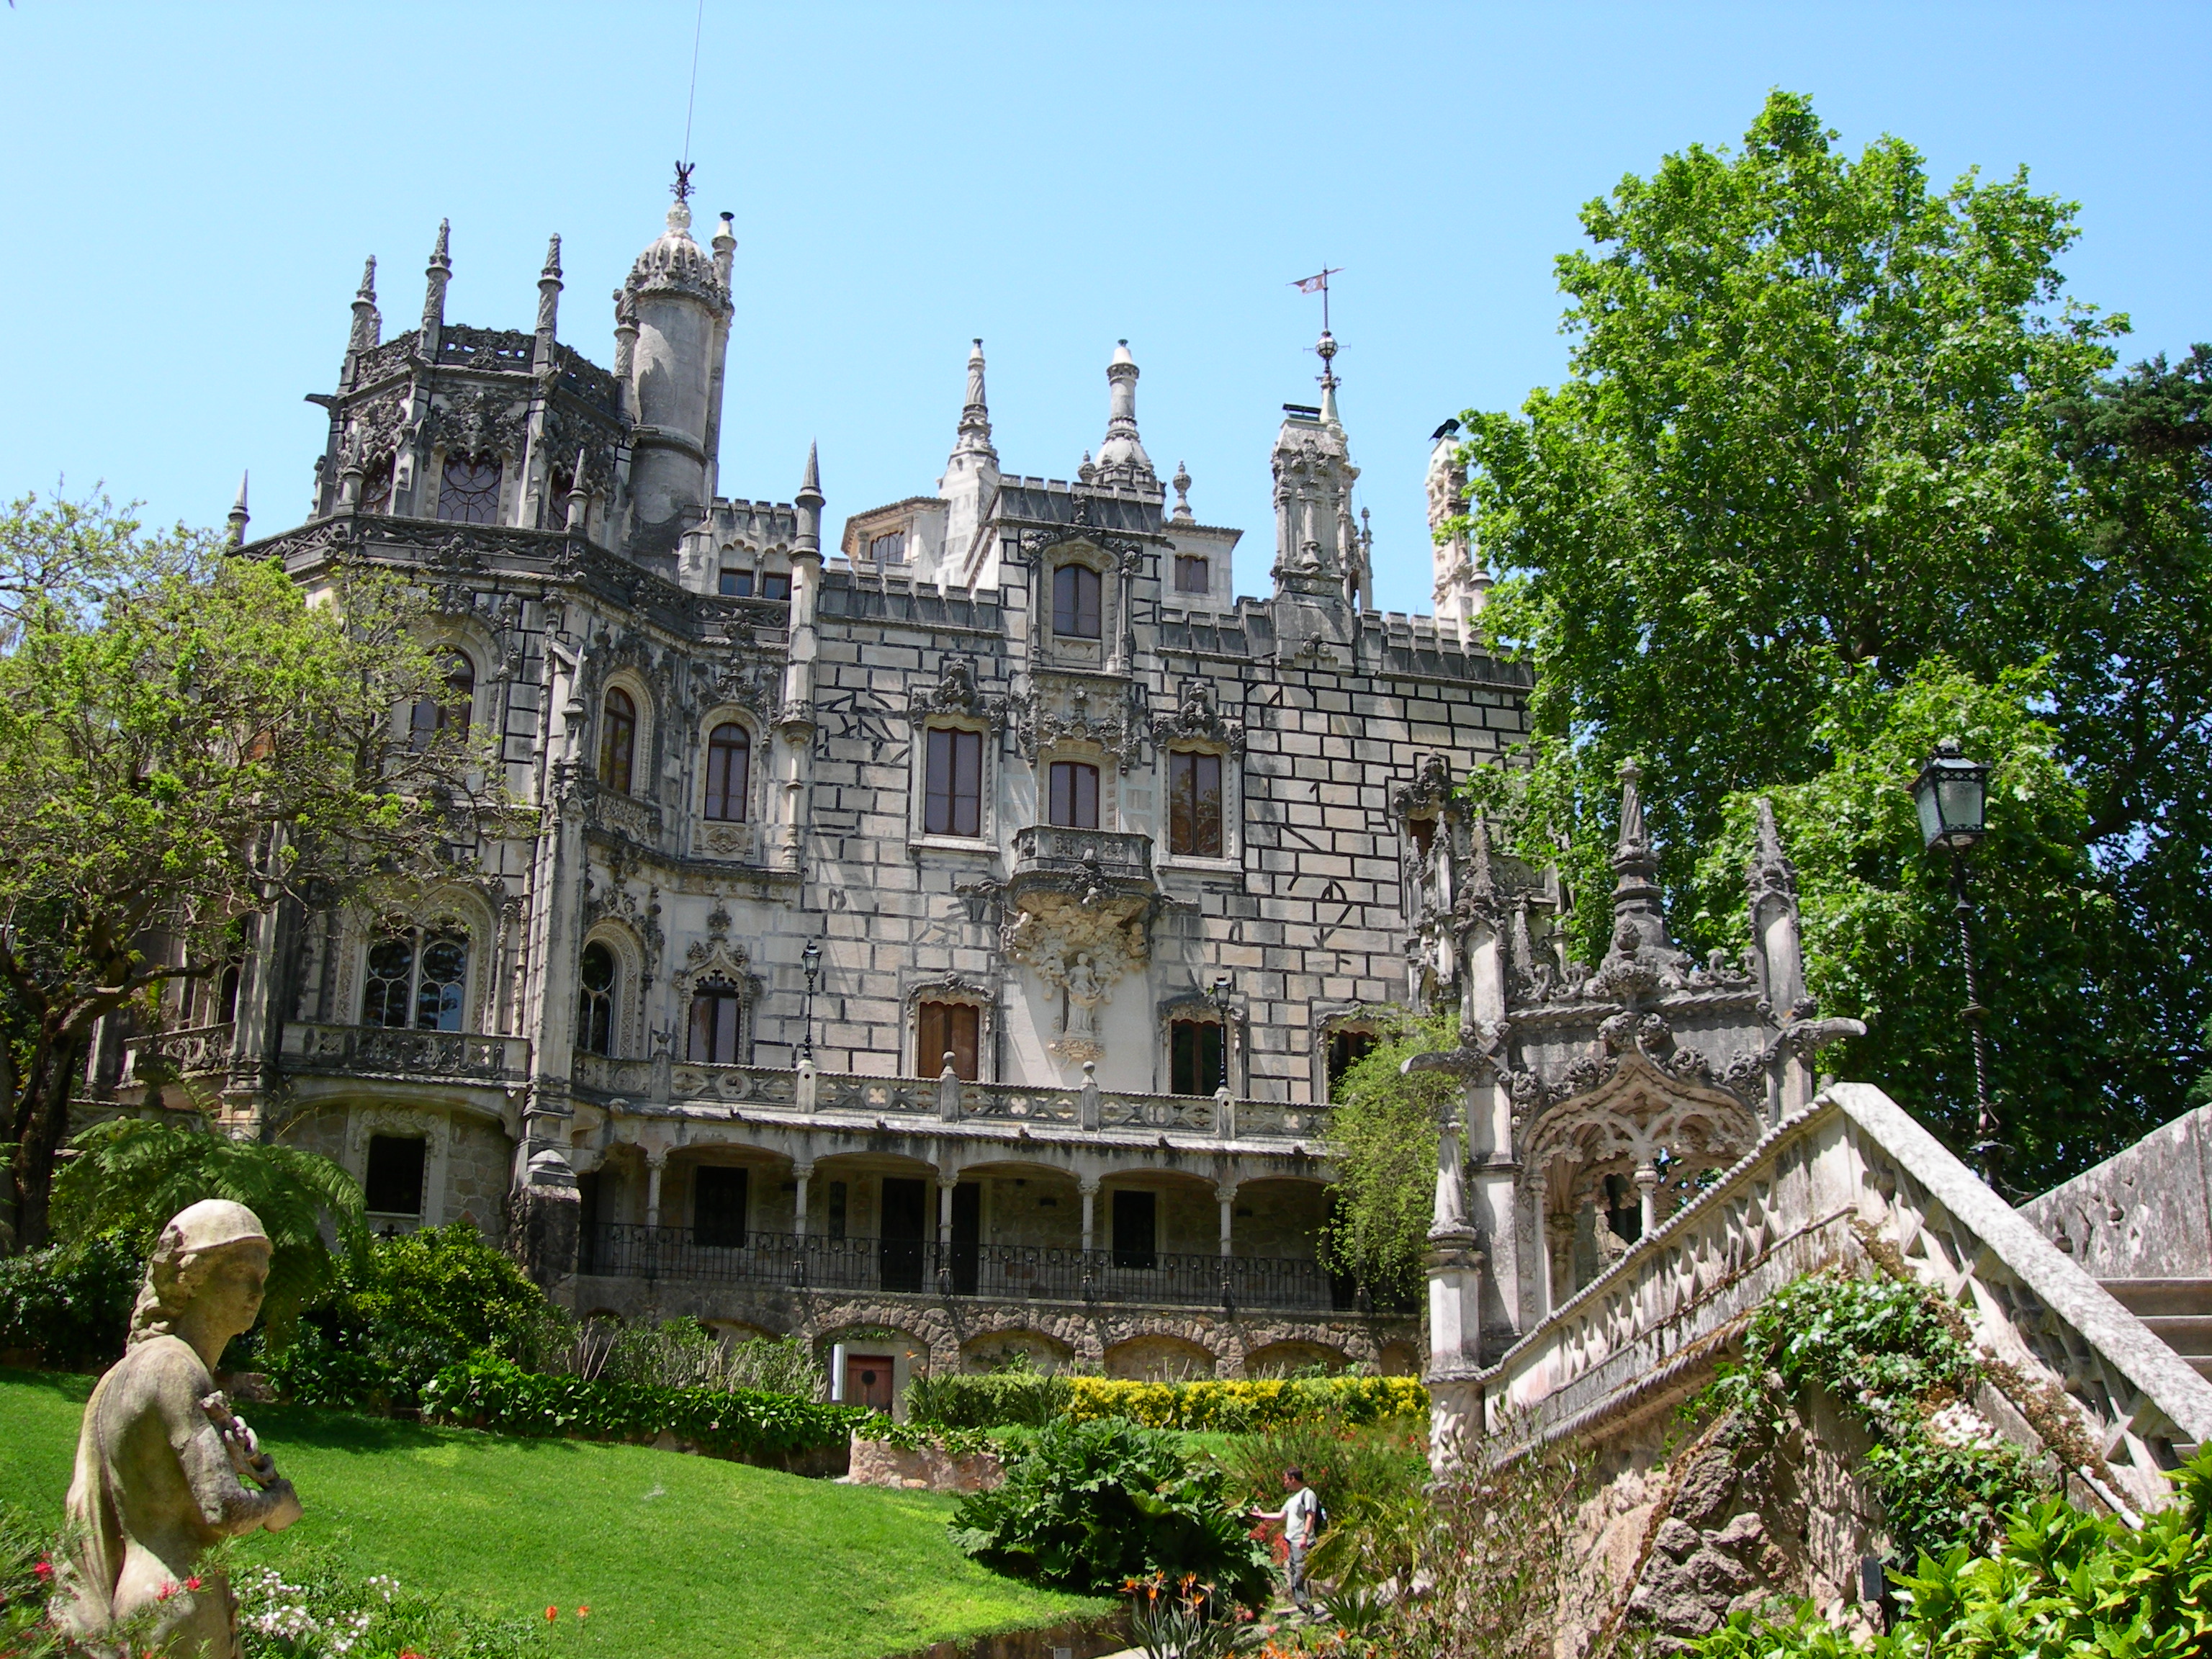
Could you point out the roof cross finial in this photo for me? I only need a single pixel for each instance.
(681, 188)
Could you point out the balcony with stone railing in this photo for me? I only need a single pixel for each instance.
(467, 1057)
(1055, 855)
(195, 1051)
(1048, 1113)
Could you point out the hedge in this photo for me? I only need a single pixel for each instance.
(1238, 1407)
(494, 1393)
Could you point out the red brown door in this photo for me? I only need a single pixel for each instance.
(868, 1381)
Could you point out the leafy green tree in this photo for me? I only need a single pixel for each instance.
(186, 742)
(1827, 425)
(1382, 1138)
(132, 1174)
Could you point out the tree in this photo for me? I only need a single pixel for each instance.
(1826, 427)
(186, 742)
(1382, 1138)
(133, 1174)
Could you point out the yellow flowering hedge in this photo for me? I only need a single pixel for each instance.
(1242, 1407)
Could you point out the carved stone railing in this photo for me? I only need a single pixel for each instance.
(690, 1082)
(375, 1051)
(458, 344)
(1052, 849)
(1851, 1180)
(618, 814)
(193, 1051)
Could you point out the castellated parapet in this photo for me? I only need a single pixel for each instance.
(1099, 857)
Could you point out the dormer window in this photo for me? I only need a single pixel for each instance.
(736, 584)
(889, 548)
(469, 493)
(1194, 573)
(1077, 595)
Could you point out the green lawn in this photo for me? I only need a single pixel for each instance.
(678, 1558)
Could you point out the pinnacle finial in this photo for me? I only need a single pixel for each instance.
(1632, 834)
(975, 437)
(1181, 483)
(552, 257)
(238, 515)
(367, 288)
(442, 254)
(680, 190)
(811, 483)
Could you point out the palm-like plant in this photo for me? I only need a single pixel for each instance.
(134, 1174)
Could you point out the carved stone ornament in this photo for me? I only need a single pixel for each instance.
(1052, 929)
(610, 899)
(1066, 712)
(376, 426)
(1198, 718)
(956, 693)
(717, 959)
(1636, 1113)
(489, 420)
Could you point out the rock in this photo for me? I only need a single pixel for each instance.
(1706, 1484)
(1718, 1575)
(1742, 1531)
(1677, 1539)
(926, 1468)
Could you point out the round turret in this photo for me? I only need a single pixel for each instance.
(681, 309)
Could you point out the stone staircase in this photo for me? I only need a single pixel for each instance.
(2177, 1311)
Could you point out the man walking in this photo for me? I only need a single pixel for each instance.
(1301, 1518)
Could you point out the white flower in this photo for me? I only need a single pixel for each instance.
(1961, 1426)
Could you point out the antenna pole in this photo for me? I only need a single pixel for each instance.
(691, 99)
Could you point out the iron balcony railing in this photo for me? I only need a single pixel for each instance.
(999, 1271)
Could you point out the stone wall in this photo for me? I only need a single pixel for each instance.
(2145, 1214)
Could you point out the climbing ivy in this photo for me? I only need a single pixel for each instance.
(1898, 1361)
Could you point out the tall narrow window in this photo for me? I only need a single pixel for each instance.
(417, 977)
(595, 1000)
(1193, 1056)
(729, 772)
(469, 492)
(1345, 1050)
(225, 996)
(446, 710)
(1135, 1241)
(393, 1185)
(1194, 803)
(617, 741)
(949, 1028)
(1192, 574)
(952, 793)
(1074, 794)
(716, 1014)
(718, 1206)
(1075, 602)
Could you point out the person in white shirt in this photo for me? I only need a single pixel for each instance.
(1301, 1519)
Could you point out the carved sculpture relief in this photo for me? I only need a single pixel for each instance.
(1079, 950)
(1198, 718)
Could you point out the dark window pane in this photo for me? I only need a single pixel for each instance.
(443, 983)
(718, 1206)
(775, 584)
(1135, 1243)
(469, 492)
(1192, 573)
(1193, 1056)
(1345, 1050)
(391, 982)
(1075, 602)
(394, 1182)
(618, 742)
(595, 1006)
(1194, 803)
(736, 584)
(729, 766)
(1074, 795)
(952, 799)
(714, 1026)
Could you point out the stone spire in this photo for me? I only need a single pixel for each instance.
(808, 538)
(975, 437)
(368, 322)
(579, 503)
(1181, 483)
(238, 515)
(548, 289)
(1641, 950)
(435, 276)
(1317, 551)
(1122, 463)
(1326, 350)
(1461, 585)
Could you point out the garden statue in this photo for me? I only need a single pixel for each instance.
(164, 1470)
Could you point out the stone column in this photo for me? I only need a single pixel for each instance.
(1647, 1193)
(801, 1173)
(1558, 1259)
(1226, 1193)
(1089, 1187)
(946, 1181)
(656, 1161)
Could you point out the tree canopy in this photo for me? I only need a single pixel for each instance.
(1838, 469)
(186, 742)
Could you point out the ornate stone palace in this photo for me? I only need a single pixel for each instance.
(943, 943)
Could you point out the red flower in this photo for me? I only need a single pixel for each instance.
(44, 1569)
(408, 1653)
(583, 1612)
(165, 1592)
(192, 1583)
(551, 1613)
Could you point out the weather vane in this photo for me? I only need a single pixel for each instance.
(1318, 283)
(682, 187)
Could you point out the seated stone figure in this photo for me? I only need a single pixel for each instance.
(164, 1469)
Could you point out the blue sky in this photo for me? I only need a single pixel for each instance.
(186, 194)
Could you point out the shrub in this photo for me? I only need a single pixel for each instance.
(495, 1393)
(1352, 1467)
(1249, 1407)
(2059, 1582)
(1003, 1399)
(681, 1354)
(1093, 1505)
(70, 1304)
(319, 1606)
(1897, 1360)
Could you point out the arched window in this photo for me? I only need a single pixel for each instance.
(617, 740)
(417, 977)
(469, 492)
(595, 1000)
(729, 772)
(226, 995)
(1076, 590)
(716, 1024)
(448, 712)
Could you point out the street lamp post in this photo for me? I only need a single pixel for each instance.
(1221, 1006)
(811, 957)
(1952, 795)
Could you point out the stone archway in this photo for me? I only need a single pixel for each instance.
(1158, 1358)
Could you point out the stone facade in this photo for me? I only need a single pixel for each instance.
(1069, 830)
